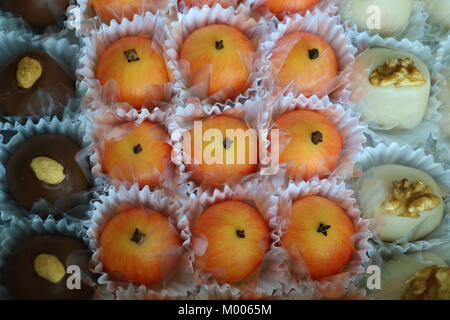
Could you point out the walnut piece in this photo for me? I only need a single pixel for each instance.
(398, 72)
(49, 267)
(48, 170)
(430, 283)
(29, 71)
(408, 199)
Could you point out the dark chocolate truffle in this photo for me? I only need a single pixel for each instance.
(23, 274)
(25, 76)
(38, 13)
(44, 167)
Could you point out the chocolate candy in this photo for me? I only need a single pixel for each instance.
(44, 166)
(24, 278)
(38, 13)
(25, 76)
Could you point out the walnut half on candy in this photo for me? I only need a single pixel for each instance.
(430, 283)
(409, 199)
(398, 72)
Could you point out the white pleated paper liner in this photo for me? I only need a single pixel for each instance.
(382, 257)
(71, 129)
(416, 29)
(325, 27)
(178, 284)
(301, 285)
(113, 125)
(271, 277)
(62, 50)
(345, 121)
(414, 158)
(106, 96)
(182, 121)
(19, 230)
(326, 6)
(428, 127)
(254, 29)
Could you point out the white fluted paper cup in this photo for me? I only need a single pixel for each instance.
(339, 285)
(428, 127)
(68, 128)
(178, 284)
(325, 27)
(271, 277)
(11, 22)
(438, 22)
(417, 159)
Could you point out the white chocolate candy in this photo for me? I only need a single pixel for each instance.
(395, 272)
(385, 17)
(391, 107)
(375, 189)
(439, 11)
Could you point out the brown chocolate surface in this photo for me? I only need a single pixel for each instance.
(54, 81)
(22, 281)
(22, 182)
(38, 13)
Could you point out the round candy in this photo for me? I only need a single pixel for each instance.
(385, 17)
(411, 208)
(36, 270)
(397, 271)
(25, 77)
(45, 167)
(38, 13)
(398, 89)
(140, 245)
(320, 235)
